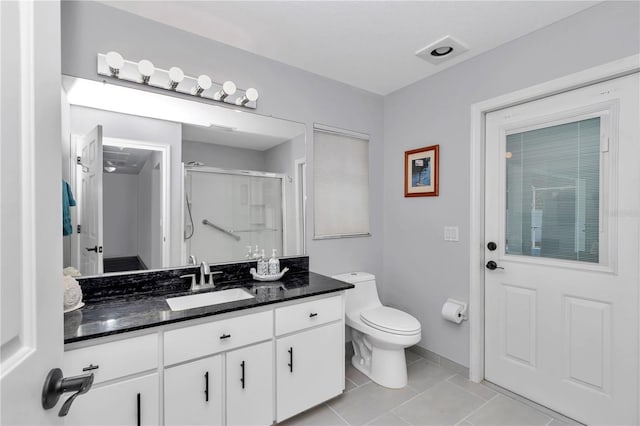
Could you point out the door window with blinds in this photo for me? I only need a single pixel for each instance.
(340, 184)
(553, 195)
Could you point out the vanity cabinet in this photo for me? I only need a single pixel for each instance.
(212, 337)
(112, 360)
(310, 358)
(115, 397)
(127, 402)
(250, 385)
(193, 393)
(238, 369)
(309, 369)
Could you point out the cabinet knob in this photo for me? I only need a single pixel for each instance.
(206, 386)
(290, 359)
(242, 377)
(139, 412)
(91, 367)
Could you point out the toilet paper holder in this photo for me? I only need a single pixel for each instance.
(462, 313)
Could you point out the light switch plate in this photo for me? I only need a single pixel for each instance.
(451, 233)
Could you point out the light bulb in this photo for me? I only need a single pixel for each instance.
(115, 62)
(146, 70)
(175, 77)
(251, 95)
(204, 83)
(228, 89)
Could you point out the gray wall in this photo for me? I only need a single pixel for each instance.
(120, 212)
(281, 159)
(285, 92)
(226, 157)
(149, 212)
(420, 269)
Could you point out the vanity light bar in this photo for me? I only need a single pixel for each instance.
(114, 65)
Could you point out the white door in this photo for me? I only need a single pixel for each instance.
(30, 209)
(90, 149)
(313, 356)
(250, 384)
(561, 298)
(122, 403)
(193, 393)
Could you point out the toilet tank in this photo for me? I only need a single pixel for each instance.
(365, 294)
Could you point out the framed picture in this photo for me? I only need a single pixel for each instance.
(421, 172)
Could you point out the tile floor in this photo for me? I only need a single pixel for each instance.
(434, 395)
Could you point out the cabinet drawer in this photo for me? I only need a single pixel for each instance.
(114, 359)
(217, 336)
(123, 403)
(308, 314)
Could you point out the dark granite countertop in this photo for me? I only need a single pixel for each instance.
(129, 311)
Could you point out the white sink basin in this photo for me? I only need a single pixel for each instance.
(206, 299)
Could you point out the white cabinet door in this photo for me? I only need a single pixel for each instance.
(193, 393)
(250, 385)
(309, 368)
(129, 402)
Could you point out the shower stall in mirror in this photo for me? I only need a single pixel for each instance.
(228, 213)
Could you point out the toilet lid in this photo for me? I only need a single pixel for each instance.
(390, 320)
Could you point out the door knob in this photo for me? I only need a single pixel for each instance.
(55, 385)
(492, 246)
(491, 265)
(97, 249)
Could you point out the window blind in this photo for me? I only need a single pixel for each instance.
(553, 192)
(340, 185)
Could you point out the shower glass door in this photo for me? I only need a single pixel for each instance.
(228, 212)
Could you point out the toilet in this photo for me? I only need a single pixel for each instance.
(379, 333)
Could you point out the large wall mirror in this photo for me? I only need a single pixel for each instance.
(161, 181)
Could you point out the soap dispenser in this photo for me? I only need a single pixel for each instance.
(274, 263)
(263, 265)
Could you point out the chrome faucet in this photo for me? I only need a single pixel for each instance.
(205, 275)
(193, 260)
(206, 278)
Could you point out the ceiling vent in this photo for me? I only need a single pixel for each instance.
(442, 50)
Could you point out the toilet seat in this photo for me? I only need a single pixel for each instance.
(390, 320)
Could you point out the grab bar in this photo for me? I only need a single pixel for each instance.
(225, 231)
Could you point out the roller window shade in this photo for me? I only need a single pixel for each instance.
(341, 185)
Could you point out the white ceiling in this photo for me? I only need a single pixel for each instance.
(367, 44)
